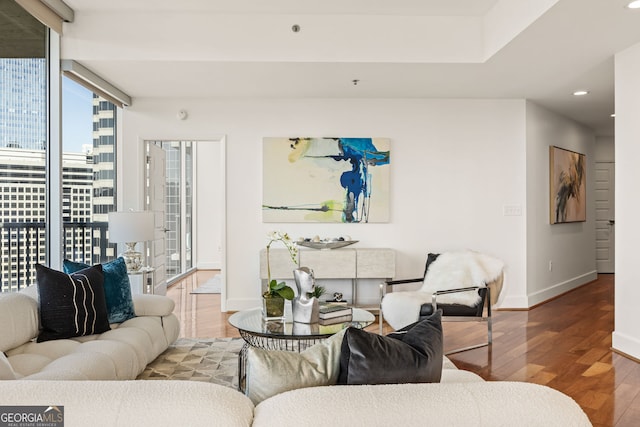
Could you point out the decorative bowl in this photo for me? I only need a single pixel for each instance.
(332, 244)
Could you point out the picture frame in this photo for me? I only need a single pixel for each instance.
(567, 186)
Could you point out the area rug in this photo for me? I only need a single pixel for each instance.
(213, 360)
(211, 286)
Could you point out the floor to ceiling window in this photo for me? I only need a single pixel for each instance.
(57, 168)
(23, 145)
(89, 173)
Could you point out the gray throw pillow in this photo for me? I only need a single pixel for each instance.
(413, 355)
(270, 372)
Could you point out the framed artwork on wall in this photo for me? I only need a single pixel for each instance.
(340, 180)
(567, 186)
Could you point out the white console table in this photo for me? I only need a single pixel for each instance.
(343, 263)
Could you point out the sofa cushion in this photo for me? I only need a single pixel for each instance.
(71, 304)
(139, 340)
(93, 366)
(135, 403)
(494, 403)
(271, 372)
(412, 356)
(153, 305)
(6, 371)
(26, 364)
(152, 326)
(31, 357)
(122, 356)
(19, 319)
(117, 289)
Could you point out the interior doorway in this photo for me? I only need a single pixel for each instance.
(191, 205)
(605, 217)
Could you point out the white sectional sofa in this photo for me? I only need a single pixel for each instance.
(36, 375)
(193, 404)
(121, 353)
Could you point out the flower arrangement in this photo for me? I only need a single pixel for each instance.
(275, 288)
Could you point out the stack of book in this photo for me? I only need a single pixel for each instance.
(331, 313)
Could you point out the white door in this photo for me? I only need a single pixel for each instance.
(605, 217)
(155, 200)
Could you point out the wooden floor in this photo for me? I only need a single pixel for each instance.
(564, 344)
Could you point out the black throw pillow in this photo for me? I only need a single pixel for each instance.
(71, 305)
(412, 355)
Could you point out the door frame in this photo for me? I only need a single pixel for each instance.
(222, 140)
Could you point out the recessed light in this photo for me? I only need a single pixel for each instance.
(581, 92)
(634, 4)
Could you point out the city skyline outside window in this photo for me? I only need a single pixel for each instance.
(89, 173)
(23, 197)
(88, 168)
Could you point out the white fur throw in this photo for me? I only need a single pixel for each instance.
(451, 270)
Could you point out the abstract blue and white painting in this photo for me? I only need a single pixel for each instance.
(325, 180)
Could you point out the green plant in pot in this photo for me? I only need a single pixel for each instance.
(274, 297)
(318, 291)
(277, 292)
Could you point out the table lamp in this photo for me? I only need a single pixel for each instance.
(131, 227)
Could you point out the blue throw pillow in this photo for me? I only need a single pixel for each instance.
(117, 289)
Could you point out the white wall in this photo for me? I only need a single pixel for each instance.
(455, 166)
(569, 247)
(209, 201)
(626, 336)
(605, 149)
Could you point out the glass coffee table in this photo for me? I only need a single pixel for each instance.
(286, 335)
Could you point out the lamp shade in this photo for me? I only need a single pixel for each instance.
(131, 226)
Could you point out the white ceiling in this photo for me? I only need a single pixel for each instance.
(304, 7)
(540, 50)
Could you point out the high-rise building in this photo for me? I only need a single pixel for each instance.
(23, 212)
(104, 158)
(23, 103)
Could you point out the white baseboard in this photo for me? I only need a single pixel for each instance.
(560, 288)
(513, 302)
(626, 344)
(538, 297)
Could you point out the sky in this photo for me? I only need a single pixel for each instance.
(77, 116)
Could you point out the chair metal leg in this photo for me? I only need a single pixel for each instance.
(489, 321)
(380, 317)
(490, 330)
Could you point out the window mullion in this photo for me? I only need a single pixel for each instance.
(54, 154)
